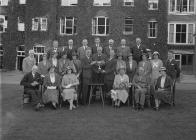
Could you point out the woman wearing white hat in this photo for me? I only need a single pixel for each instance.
(156, 65)
(163, 89)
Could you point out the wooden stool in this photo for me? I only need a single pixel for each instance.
(92, 87)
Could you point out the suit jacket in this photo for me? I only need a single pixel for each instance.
(125, 52)
(47, 81)
(51, 50)
(70, 51)
(172, 68)
(98, 58)
(138, 52)
(27, 64)
(107, 50)
(86, 68)
(131, 71)
(167, 85)
(78, 65)
(147, 69)
(43, 69)
(81, 53)
(110, 69)
(28, 79)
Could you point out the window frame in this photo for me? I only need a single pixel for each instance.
(37, 53)
(187, 33)
(4, 3)
(22, 2)
(179, 12)
(5, 23)
(74, 25)
(128, 26)
(131, 1)
(154, 28)
(69, 3)
(41, 24)
(21, 25)
(102, 4)
(96, 26)
(153, 1)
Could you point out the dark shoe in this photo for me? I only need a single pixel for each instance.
(37, 107)
(54, 105)
(137, 107)
(142, 108)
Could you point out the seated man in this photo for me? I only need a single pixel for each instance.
(140, 82)
(163, 89)
(31, 82)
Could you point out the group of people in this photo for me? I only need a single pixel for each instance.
(68, 72)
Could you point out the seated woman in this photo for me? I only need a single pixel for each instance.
(51, 82)
(140, 82)
(69, 82)
(121, 82)
(163, 89)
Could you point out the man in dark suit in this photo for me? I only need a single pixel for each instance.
(123, 49)
(86, 62)
(110, 47)
(110, 68)
(55, 49)
(172, 68)
(31, 82)
(82, 50)
(131, 66)
(96, 45)
(138, 49)
(70, 49)
(99, 58)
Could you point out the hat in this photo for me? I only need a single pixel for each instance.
(68, 68)
(148, 50)
(144, 53)
(31, 51)
(162, 69)
(121, 67)
(156, 53)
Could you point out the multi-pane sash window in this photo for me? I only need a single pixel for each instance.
(69, 2)
(181, 6)
(21, 25)
(100, 26)
(68, 25)
(4, 2)
(152, 29)
(39, 51)
(22, 1)
(181, 33)
(20, 51)
(128, 25)
(42, 22)
(102, 3)
(3, 23)
(128, 3)
(153, 4)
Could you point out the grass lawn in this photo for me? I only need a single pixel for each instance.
(95, 123)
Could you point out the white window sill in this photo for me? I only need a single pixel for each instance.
(152, 37)
(100, 34)
(181, 13)
(67, 34)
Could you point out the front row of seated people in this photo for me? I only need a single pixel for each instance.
(122, 75)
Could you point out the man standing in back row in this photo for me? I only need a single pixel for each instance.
(138, 50)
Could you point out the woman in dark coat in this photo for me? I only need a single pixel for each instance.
(131, 66)
(163, 89)
(51, 82)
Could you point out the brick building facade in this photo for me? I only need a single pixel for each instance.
(46, 20)
(181, 30)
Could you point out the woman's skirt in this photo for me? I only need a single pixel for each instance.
(165, 96)
(50, 95)
(121, 95)
(69, 94)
